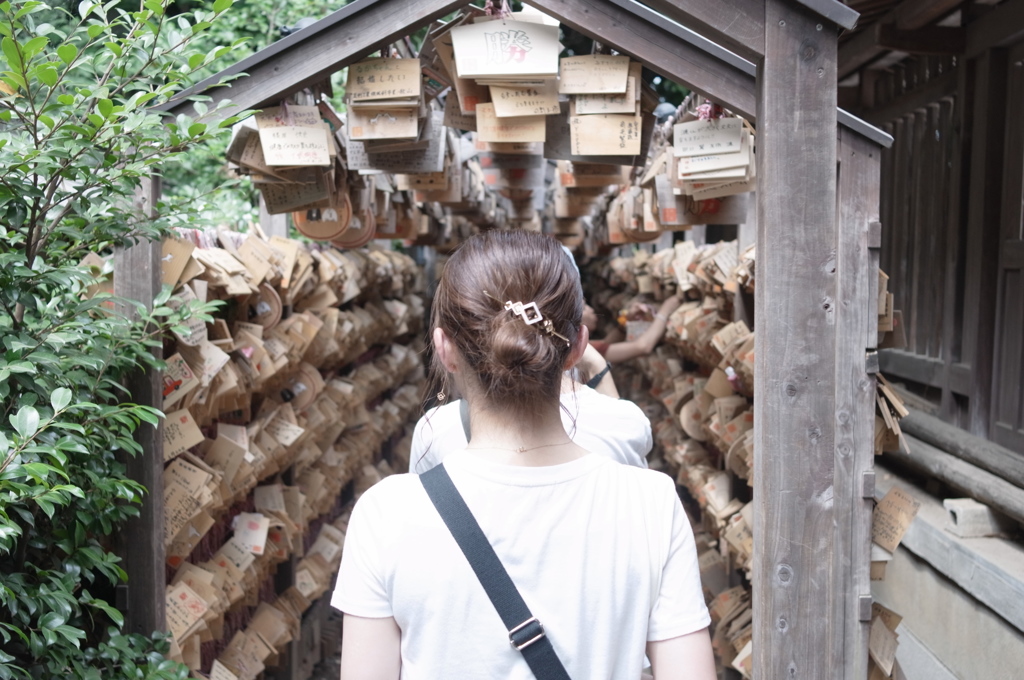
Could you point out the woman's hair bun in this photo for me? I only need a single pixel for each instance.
(512, 362)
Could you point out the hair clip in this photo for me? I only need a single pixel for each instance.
(530, 314)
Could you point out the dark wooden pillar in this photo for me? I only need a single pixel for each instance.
(137, 276)
(988, 120)
(796, 599)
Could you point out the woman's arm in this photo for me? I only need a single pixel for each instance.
(592, 364)
(645, 344)
(371, 649)
(687, 657)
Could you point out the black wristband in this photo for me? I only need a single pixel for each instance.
(596, 380)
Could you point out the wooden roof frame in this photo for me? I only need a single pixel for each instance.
(774, 61)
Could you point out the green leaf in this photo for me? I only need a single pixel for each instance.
(67, 53)
(46, 505)
(66, 99)
(60, 398)
(196, 129)
(222, 5)
(114, 47)
(95, 30)
(34, 46)
(4, 444)
(26, 421)
(51, 620)
(196, 60)
(48, 75)
(10, 49)
(105, 107)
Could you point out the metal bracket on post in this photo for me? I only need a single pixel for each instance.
(871, 365)
(874, 234)
(865, 603)
(867, 486)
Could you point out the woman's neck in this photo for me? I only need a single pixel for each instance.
(535, 440)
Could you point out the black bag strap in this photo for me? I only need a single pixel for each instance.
(525, 632)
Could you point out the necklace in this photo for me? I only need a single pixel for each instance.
(519, 449)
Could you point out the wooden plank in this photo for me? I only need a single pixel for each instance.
(663, 47)
(924, 370)
(737, 25)
(990, 569)
(314, 53)
(858, 201)
(915, 316)
(798, 609)
(1008, 399)
(982, 453)
(952, 326)
(137, 277)
(935, 89)
(988, 114)
(899, 265)
(934, 251)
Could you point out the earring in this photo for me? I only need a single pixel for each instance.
(441, 396)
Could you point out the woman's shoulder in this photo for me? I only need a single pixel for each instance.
(643, 479)
(393, 494)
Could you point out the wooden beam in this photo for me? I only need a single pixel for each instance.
(314, 53)
(863, 48)
(982, 486)
(836, 12)
(910, 15)
(797, 607)
(855, 316)
(987, 455)
(859, 51)
(736, 25)
(925, 40)
(1001, 27)
(663, 46)
(140, 544)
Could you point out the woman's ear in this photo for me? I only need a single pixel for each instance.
(445, 350)
(578, 348)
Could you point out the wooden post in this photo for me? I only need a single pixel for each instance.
(856, 332)
(137, 277)
(798, 607)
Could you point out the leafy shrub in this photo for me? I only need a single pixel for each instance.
(76, 141)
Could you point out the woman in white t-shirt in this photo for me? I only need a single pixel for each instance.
(602, 553)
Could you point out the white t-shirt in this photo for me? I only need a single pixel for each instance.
(603, 555)
(616, 428)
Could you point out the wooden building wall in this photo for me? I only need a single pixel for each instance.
(953, 240)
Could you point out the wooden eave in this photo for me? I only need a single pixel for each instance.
(665, 46)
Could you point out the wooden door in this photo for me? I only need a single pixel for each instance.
(1007, 412)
